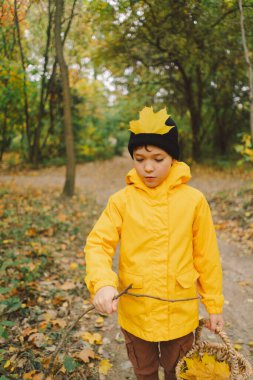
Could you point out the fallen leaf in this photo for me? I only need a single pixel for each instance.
(68, 285)
(244, 283)
(237, 346)
(73, 266)
(104, 366)
(92, 338)
(48, 232)
(12, 349)
(37, 339)
(31, 232)
(119, 338)
(220, 226)
(99, 322)
(28, 331)
(39, 376)
(62, 217)
(7, 364)
(85, 355)
(59, 322)
(29, 375)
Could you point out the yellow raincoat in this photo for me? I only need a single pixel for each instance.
(168, 249)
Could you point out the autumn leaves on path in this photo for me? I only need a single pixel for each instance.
(42, 288)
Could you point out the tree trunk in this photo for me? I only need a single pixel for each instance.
(70, 167)
(250, 71)
(195, 127)
(36, 143)
(26, 105)
(194, 104)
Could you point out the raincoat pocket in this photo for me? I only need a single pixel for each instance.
(186, 283)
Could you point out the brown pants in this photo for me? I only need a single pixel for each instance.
(147, 356)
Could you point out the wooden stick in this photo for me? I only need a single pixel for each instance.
(162, 299)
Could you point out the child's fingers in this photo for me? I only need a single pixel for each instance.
(114, 305)
(215, 323)
(103, 300)
(107, 306)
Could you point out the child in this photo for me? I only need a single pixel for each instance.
(168, 249)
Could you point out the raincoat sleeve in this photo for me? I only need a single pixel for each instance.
(100, 248)
(207, 259)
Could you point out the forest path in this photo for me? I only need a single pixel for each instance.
(100, 180)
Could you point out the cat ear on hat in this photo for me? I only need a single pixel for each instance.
(170, 122)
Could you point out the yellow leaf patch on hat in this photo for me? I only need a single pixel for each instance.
(151, 122)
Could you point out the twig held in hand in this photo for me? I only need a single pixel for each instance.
(162, 299)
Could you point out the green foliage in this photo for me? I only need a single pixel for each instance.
(123, 55)
(245, 149)
(70, 364)
(3, 325)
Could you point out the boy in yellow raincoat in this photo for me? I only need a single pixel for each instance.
(168, 249)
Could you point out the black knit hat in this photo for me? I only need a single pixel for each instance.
(167, 141)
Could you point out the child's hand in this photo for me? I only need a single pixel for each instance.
(215, 323)
(103, 300)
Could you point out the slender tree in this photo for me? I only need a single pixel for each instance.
(250, 71)
(25, 92)
(70, 168)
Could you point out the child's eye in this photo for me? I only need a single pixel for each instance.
(159, 159)
(139, 159)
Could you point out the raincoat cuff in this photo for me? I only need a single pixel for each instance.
(213, 305)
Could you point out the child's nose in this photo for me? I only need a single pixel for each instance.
(148, 168)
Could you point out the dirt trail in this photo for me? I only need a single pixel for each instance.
(100, 179)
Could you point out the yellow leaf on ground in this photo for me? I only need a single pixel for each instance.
(104, 366)
(73, 266)
(244, 283)
(12, 349)
(29, 375)
(99, 322)
(237, 346)
(92, 338)
(7, 364)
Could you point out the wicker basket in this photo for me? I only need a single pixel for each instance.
(240, 368)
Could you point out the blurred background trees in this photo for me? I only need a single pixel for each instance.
(186, 56)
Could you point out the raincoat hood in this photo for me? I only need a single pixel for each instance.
(179, 174)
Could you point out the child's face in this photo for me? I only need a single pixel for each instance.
(152, 164)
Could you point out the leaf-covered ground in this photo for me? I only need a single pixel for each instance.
(42, 288)
(233, 215)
